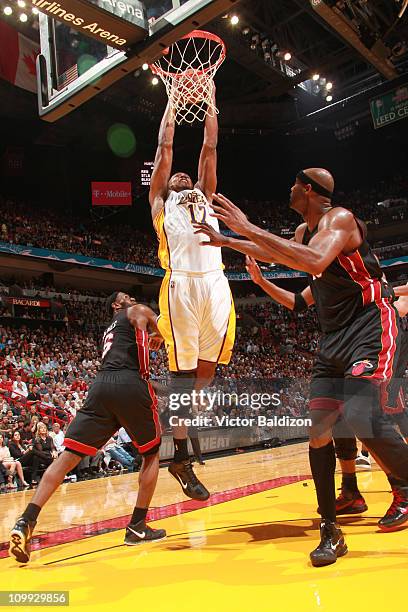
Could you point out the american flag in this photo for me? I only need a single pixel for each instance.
(67, 77)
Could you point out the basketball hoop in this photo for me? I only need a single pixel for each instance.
(187, 70)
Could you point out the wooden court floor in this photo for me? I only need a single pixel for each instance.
(247, 547)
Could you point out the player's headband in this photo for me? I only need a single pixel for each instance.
(304, 178)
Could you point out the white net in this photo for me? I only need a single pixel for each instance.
(187, 70)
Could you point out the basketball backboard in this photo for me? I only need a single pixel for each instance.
(75, 64)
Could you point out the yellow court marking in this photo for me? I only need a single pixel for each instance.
(250, 553)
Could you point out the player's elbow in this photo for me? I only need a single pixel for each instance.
(316, 267)
(165, 147)
(210, 145)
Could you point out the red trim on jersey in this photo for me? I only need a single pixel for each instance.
(325, 403)
(79, 447)
(143, 448)
(142, 341)
(356, 269)
(389, 335)
(399, 406)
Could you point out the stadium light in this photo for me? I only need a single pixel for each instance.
(234, 20)
(287, 57)
(35, 10)
(316, 77)
(23, 17)
(21, 3)
(329, 98)
(329, 86)
(155, 81)
(7, 10)
(145, 67)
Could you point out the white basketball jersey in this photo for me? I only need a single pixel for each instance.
(180, 248)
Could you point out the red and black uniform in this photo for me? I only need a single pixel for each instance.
(359, 323)
(120, 396)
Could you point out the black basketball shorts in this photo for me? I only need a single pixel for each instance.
(368, 348)
(116, 400)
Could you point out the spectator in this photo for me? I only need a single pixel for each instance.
(19, 389)
(45, 448)
(11, 465)
(117, 453)
(21, 453)
(58, 437)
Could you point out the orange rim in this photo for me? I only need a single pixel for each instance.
(195, 34)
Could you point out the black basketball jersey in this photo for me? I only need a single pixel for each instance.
(125, 348)
(348, 284)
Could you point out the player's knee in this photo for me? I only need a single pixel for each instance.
(181, 387)
(70, 459)
(346, 448)
(205, 373)
(319, 441)
(361, 406)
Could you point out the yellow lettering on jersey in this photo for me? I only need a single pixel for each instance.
(193, 197)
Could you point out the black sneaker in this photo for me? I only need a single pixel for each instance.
(332, 545)
(140, 532)
(192, 487)
(20, 538)
(397, 513)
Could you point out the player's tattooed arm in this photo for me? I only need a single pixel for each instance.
(162, 163)
(207, 167)
(313, 259)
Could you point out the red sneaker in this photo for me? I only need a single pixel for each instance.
(349, 503)
(397, 513)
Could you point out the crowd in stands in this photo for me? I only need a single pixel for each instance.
(45, 374)
(30, 225)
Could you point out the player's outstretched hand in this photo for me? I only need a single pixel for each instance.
(253, 269)
(216, 239)
(231, 215)
(155, 341)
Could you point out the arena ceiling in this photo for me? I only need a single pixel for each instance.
(257, 89)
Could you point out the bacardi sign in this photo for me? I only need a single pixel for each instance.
(117, 23)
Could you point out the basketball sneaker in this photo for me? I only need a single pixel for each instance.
(20, 540)
(349, 502)
(332, 545)
(140, 532)
(363, 462)
(397, 513)
(183, 472)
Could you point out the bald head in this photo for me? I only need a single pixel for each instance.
(313, 189)
(322, 177)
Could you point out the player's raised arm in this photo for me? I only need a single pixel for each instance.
(293, 301)
(162, 163)
(207, 167)
(313, 259)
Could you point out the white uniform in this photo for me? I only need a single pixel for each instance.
(197, 317)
